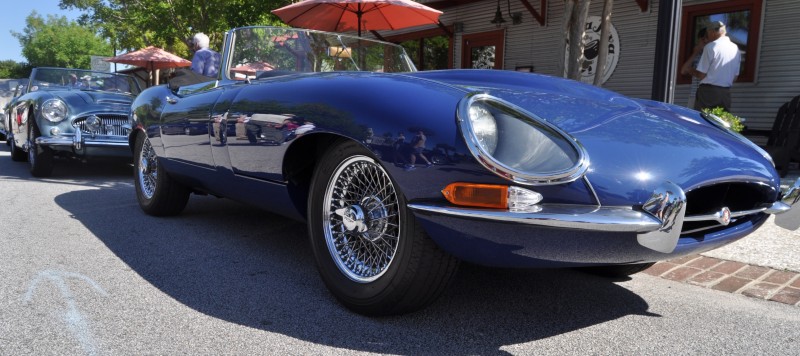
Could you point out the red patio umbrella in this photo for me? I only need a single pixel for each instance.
(348, 15)
(151, 58)
(252, 68)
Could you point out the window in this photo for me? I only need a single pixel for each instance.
(428, 49)
(742, 19)
(483, 50)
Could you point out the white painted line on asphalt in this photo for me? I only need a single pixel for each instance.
(72, 317)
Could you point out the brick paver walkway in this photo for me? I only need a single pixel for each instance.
(732, 277)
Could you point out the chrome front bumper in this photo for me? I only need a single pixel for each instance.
(790, 218)
(658, 225)
(78, 141)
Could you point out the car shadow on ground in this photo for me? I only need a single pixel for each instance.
(69, 170)
(256, 269)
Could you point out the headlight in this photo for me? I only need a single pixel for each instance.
(54, 110)
(517, 145)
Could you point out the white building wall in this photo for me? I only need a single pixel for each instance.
(777, 76)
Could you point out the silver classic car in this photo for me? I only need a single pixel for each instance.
(65, 112)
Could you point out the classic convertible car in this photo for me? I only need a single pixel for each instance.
(70, 113)
(545, 172)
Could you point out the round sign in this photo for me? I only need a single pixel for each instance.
(591, 50)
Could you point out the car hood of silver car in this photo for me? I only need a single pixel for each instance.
(85, 100)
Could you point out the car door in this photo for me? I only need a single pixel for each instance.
(257, 136)
(186, 126)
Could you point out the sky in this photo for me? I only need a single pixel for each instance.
(14, 14)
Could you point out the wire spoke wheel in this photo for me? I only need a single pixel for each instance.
(40, 159)
(370, 249)
(158, 194)
(147, 172)
(362, 223)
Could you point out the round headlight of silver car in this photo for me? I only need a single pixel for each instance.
(517, 145)
(54, 110)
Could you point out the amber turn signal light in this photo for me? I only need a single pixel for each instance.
(477, 195)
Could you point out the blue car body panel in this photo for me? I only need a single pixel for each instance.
(633, 145)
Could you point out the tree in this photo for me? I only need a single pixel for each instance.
(575, 14)
(574, 27)
(13, 69)
(56, 42)
(605, 30)
(171, 24)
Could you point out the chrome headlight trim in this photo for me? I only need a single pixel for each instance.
(572, 171)
(54, 110)
(724, 126)
(716, 121)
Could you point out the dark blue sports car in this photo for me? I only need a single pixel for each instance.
(402, 174)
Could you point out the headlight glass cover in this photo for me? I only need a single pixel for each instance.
(54, 110)
(517, 145)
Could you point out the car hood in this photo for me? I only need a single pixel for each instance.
(633, 145)
(89, 100)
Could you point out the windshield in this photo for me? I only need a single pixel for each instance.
(264, 51)
(63, 78)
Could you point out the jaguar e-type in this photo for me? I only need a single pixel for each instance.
(532, 171)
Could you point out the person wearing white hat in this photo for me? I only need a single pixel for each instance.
(717, 69)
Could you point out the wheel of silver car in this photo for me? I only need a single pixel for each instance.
(40, 159)
(17, 154)
(158, 194)
(369, 249)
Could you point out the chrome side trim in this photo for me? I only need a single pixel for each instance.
(668, 205)
(790, 218)
(591, 189)
(615, 219)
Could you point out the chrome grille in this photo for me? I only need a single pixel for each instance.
(111, 125)
(744, 201)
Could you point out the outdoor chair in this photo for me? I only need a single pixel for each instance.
(783, 141)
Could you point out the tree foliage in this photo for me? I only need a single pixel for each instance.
(56, 42)
(13, 69)
(170, 24)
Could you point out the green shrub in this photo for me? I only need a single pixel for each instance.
(734, 121)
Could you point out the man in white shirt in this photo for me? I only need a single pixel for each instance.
(717, 69)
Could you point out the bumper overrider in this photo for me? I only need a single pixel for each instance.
(657, 225)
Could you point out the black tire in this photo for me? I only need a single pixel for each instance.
(17, 154)
(617, 271)
(40, 159)
(356, 210)
(158, 194)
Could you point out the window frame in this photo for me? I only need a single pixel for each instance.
(753, 37)
(491, 38)
(419, 35)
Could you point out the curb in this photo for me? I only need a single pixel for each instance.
(732, 277)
